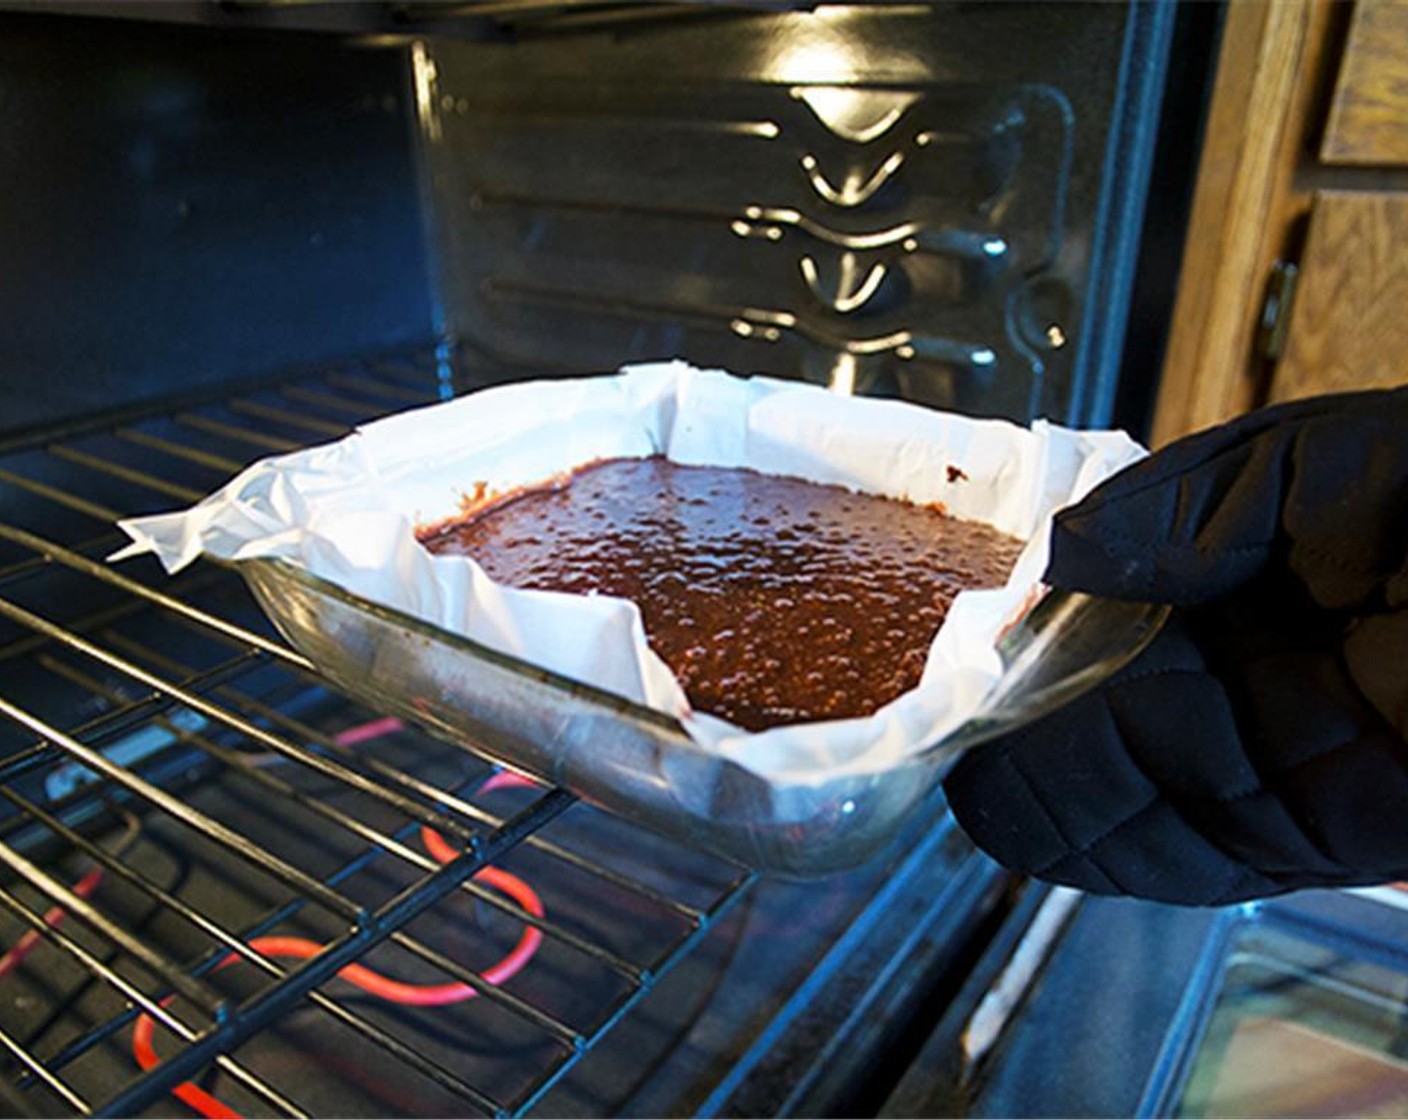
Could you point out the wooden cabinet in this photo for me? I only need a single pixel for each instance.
(1348, 326)
(1369, 113)
(1305, 163)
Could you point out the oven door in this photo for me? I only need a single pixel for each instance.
(1296, 1006)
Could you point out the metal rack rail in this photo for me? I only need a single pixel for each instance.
(274, 813)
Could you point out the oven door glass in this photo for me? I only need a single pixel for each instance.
(1303, 1027)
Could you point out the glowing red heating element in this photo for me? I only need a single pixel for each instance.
(383, 987)
(53, 918)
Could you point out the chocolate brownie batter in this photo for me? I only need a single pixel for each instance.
(772, 599)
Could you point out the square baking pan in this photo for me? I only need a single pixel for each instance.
(641, 763)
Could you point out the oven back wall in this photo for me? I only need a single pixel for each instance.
(938, 202)
(180, 208)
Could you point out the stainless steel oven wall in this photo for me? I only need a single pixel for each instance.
(940, 202)
(181, 206)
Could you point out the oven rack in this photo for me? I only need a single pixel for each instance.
(157, 733)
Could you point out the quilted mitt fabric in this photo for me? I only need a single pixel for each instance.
(1261, 743)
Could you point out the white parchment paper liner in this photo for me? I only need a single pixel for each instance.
(346, 511)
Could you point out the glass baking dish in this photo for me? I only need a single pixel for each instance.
(641, 763)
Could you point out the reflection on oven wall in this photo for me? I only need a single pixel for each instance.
(887, 200)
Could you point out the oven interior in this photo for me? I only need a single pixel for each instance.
(233, 230)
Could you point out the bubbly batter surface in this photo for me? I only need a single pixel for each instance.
(773, 600)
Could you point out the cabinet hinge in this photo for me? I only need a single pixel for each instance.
(1275, 321)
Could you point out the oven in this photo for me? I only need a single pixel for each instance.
(235, 229)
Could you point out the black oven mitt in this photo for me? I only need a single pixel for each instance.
(1259, 744)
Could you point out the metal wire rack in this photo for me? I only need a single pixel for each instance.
(198, 837)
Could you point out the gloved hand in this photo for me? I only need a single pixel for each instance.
(1260, 744)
